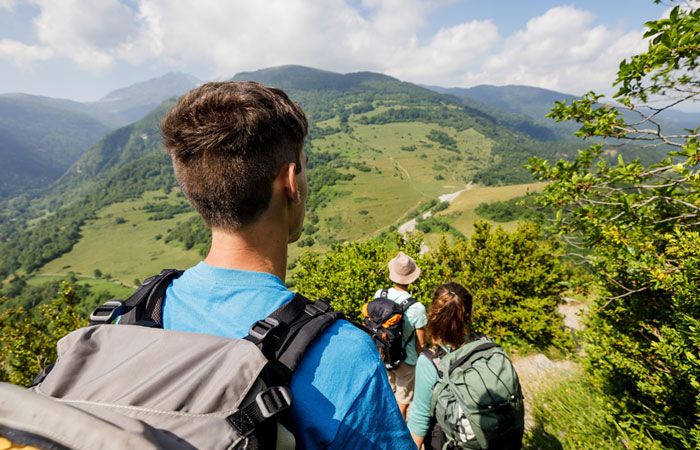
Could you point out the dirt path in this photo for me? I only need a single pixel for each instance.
(410, 226)
(536, 372)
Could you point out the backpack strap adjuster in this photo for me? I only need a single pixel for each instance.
(107, 312)
(273, 400)
(316, 308)
(260, 329)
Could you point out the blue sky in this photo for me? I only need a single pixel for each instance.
(84, 49)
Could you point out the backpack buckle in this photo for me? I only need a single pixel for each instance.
(260, 329)
(106, 312)
(273, 400)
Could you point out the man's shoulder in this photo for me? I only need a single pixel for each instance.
(347, 340)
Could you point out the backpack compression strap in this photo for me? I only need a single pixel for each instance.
(433, 355)
(479, 348)
(410, 301)
(145, 306)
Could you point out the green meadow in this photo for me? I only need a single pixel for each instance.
(124, 244)
(461, 215)
(403, 168)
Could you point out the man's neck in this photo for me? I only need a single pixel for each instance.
(255, 248)
(401, 287)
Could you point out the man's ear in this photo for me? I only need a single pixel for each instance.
(287, 176)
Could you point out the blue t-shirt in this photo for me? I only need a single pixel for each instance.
(342, 397)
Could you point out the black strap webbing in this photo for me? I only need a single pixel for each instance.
(144, 307)
(146, 304)
(410, 301)
(284, 335)
(433, 355)
(479, 348)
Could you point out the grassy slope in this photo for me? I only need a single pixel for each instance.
(461, 212)
(399, 180)
(125, 251)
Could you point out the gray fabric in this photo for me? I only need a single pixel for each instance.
(24, 410)
(180, 383)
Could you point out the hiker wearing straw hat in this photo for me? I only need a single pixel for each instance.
(402, 272)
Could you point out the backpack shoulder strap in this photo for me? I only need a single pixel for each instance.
(433, 355)
(284, 335)
(384, 293)
(144, 307)
(410, 301)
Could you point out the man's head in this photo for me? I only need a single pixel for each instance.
(229, 141)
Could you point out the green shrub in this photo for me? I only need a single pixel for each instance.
(515, 279)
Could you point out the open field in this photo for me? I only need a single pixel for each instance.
(403, 169)
(125, 251)
(114, 288)
(462, 216)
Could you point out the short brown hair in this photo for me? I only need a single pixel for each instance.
(449, 316)
(227, 141)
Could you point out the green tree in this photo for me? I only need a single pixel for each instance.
(28, 338)
(641, 223)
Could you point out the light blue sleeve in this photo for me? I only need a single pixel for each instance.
(417, 316)
(426, 377)
(374, 421)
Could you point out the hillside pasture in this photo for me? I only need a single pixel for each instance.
(461, 215)
(401, 168)
(122, 243)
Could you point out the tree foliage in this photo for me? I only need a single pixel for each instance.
(515, 279)
(642, 223)
(28, 337)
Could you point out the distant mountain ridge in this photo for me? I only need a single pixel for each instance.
(307, 78)
(536, 103)
(133, 102)
(532, 101)
(41, 137)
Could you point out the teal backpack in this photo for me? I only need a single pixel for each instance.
(477, 400)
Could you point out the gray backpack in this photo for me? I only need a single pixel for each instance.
(136, 385)
(477, 400)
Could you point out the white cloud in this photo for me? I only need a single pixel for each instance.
(564, 49)
(561, 50)
(89, 33)
(8, 4)
(21, 54)
(237, 36)
(448, 54)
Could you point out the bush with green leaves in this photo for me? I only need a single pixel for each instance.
(638, 228)
(515, 279)
(28, 337)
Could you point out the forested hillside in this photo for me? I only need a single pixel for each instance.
(39, 139)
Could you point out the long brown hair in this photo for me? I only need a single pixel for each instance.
(449, 316)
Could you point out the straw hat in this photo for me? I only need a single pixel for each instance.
(403, 269)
